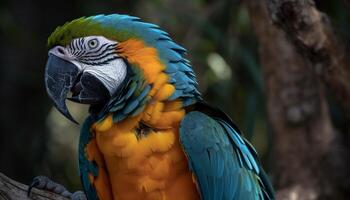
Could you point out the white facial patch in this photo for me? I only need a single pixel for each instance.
(97, 56)
(111, 74)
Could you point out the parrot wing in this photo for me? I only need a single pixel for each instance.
(87, 167)
(224, 164)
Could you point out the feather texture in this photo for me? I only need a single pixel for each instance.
(123, 28)
(223, 165)
(160, 83)
(85, 166)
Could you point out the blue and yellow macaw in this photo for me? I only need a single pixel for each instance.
(149, 134)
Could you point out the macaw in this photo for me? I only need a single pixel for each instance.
(150, 135)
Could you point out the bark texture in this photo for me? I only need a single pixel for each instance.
(311, 32)
(309, 153)
(12, 190)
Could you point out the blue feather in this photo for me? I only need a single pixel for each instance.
(132, 88)
(86, 167)
(224, 168)
(130, 107)
(170, 53)
(144, 93)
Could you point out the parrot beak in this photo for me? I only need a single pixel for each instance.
(62, 75)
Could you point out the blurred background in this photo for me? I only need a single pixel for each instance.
(36, 140)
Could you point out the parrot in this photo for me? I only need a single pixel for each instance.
(149, 134)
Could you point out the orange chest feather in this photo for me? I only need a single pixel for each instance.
(145, 164)
(141, 163)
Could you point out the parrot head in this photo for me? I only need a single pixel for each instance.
(113, 63)
(88, 67)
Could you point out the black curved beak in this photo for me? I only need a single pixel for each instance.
(60, 76)
(63, 76)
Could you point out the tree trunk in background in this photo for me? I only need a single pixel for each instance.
(311, 33)
(308, 152)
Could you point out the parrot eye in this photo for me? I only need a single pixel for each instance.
(93, 43)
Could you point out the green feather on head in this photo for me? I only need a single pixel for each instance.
(86, 26)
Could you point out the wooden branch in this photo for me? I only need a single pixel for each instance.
(308, 153)
(12, 190)
(311, 32)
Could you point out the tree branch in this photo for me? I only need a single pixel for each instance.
(311, 32)
(309, 154)
(12, 190)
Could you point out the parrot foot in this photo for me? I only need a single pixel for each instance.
(43, 182)
(78, 195)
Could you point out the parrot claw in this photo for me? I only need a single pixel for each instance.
(78, 195)
(43, 182)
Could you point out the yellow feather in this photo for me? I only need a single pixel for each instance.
(147, 184)
(173, 105)
(122, 140)
(105, 124)
(170, 119)
(161, 79)
(128, 150)
(160, 168)
(165, 92)
(102, 180)
(157, 112)
(161, 141)
(151, 166)
(156, 195)
(136, 52)
(147, 113)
